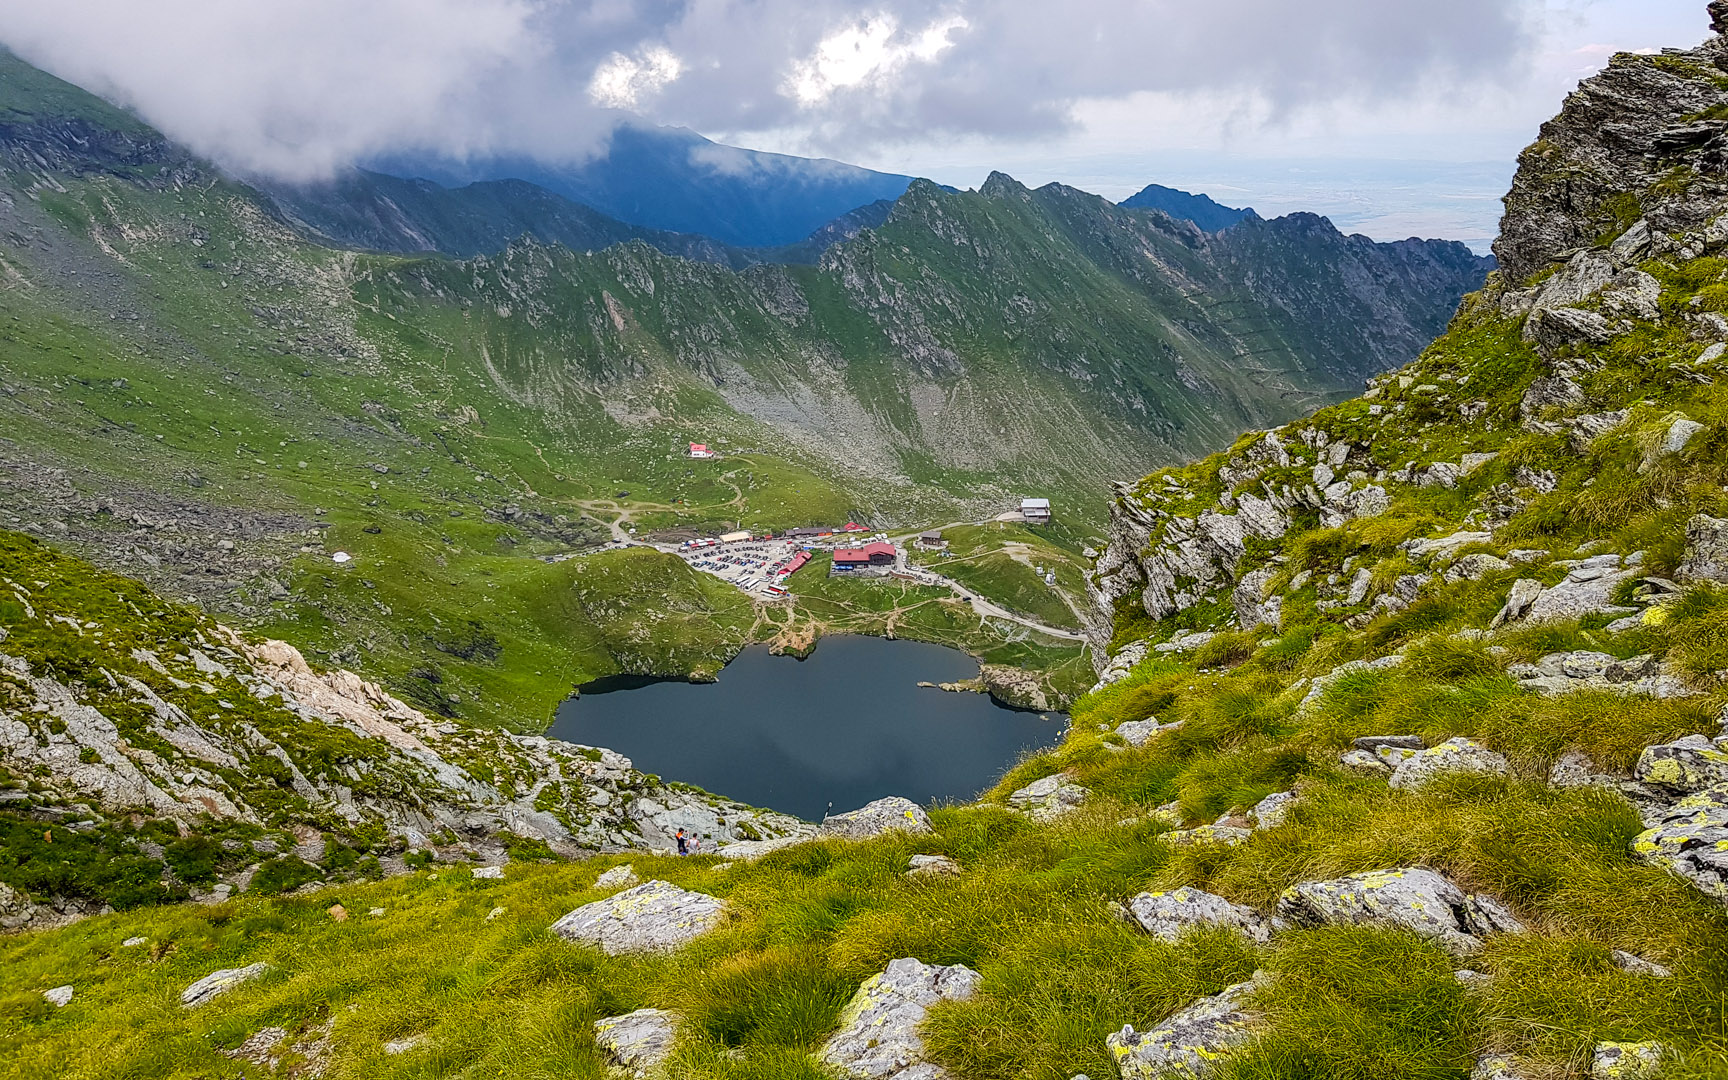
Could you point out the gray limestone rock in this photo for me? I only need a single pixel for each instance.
(491, 873)
(1363, 761)
(1445, 545)
(1187, 1043)
(655, 916)
(1691, 840)
(1140, 732)
(878, 1037)
(59, 996)
(1588, 588)
(1474, 567)
(1549, 391)
(220, 982)
(1409, 898)
(1254, 607)
(1207, 836)
(1706, 557)
(932, 866)
(1376, 743)
(1525, 592)
(1452, 756)
(892, 814)
(638, 1042)
(1048, 797)
(1167, 914)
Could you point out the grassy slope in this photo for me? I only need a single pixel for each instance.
(1030, 912)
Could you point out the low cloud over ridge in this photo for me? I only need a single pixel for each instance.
(296, 88)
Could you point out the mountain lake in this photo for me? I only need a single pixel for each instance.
(838, 729)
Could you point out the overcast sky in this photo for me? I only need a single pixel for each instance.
(1396, 117)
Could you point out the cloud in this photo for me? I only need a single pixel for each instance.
(299, 87)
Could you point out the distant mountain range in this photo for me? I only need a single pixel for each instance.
(676, 180)
(1200, 209)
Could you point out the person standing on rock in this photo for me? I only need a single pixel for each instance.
(683, 845)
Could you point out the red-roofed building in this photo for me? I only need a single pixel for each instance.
(877, 554)
(798, 561)
(853, 526)
(700, 450)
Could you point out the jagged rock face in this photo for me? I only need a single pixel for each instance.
(1621, 131)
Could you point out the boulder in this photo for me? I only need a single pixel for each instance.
(879, 1035)
(1253, 602)
(1049, 797)
(1626, 1060)
(1706, 557)
(1187, 1043)
(1362, 761)
(218, 983)
(893, 814)
(754, 849)
(1140, 732)
(490, 873)
(1375, 743)
(1691, 840)
(619, 877)
(1167, 914)
(1408, 898)
(59, 996)
(1690, 764)
(932, 866)
(1570, 672)
(655, 916)
(1445, 545)
(1474, 567)
(1451, 756)
(1274, 809)
(637, 1042)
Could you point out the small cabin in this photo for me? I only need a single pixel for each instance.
(1035, 511)
(931, 541)
(700, 450)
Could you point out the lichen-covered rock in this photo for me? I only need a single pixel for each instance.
(1691, 839)
(1452, 756)
(1409, 898)
(1167, 914)
(1048, 797)
(1626, 1060)
(1362, 761)
(1187, 1043)
(1570, 672)
(878, 1037)
(492, 873)
(1690, 764)
(893, 814)
(220, 982)
(1273, 810)
(1207, 836)
(655, 916)
(638, 1042)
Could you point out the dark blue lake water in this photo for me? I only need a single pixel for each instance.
(845, 726)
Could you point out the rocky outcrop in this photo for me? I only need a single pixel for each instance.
(1570, 672)
(1410, 898)
(878, 1037)
(655, 916)
(1187, 1043)
(893, 814)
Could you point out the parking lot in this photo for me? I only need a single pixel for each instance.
(751, 565)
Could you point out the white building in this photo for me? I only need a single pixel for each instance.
(1035, 511)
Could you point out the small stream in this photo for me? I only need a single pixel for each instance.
(846, 725)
